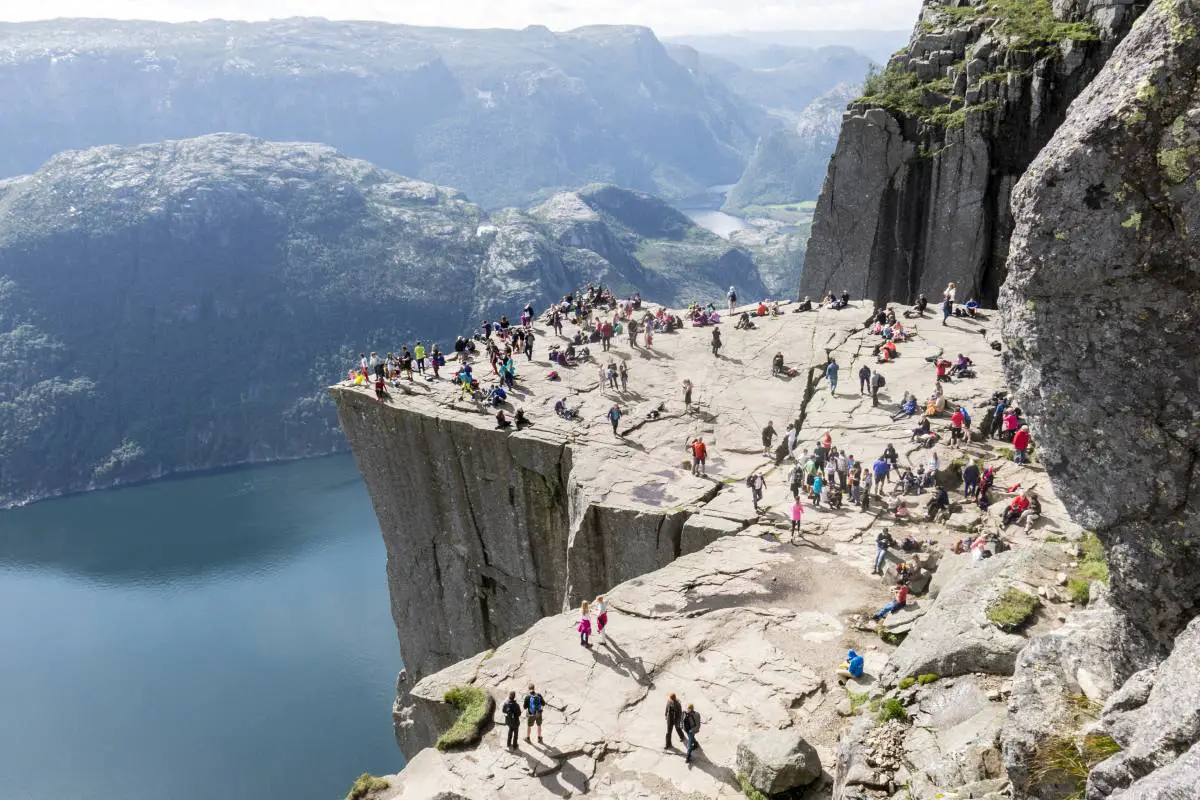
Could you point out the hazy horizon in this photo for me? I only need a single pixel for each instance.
(666, 17)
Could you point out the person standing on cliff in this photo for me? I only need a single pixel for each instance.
(601, 606)
(716, 342)
(699, 456)
(768, 436)
(534, 703)
(674, 716)
(877, 382)
(512, 720)
(419, 355)
(831, 373)
(691, 726)
(623, 371)
(756, 483)
(687, 394)
(529, 344)
(614, 416)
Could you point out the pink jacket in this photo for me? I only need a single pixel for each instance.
(584, 626)
(797, 512)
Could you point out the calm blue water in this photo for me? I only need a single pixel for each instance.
(226, 636)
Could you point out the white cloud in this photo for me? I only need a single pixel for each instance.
(665, 16)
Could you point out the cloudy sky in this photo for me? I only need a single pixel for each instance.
(665, 16)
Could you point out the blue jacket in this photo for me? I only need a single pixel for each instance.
(856, 664)
(831, 371)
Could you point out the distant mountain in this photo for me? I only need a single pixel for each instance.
(178, 306)
(877, 45)
(781, 79)
(507, 116)
(790, 165)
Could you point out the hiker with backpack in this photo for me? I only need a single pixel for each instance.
(756, 483)
(534, 703)
(877, 383)
(512, 720)
(691, 726)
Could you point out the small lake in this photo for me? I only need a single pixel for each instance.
(223, 636)
(718, 222)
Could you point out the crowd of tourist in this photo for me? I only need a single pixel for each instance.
(823, 476)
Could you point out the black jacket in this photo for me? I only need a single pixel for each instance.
(512, 713)
(674, 711)
(691, 722)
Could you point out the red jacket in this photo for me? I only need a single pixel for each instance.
(1021, 440)
(956, 419)
(699, 450)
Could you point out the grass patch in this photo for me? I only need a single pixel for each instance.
(1056, 539)
(892, 709)
(1092, 567)
(1030, 23)
(857, 700)
(365, 785)
(906, 683)
(891, 638)
(1079, 590)
(1012, 609)
(1063, 760)
(927, 678)
(747, 789)
(475, 708)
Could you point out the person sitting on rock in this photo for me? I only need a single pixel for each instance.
(744, 322)
(501, 420)
(972, 306)
(899, 602)
(805, 305)
(961, 365)
(901, 512)
(852, 667)
(887, 352)
(1016, 508)
(908, 406)
(938, 504)
(921, 429)
(777, 365)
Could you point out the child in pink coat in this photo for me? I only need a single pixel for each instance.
(797, 516)
(585, 624)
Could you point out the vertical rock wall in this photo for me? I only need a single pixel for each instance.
(1101, 310)
(487, 531)
(917, 192)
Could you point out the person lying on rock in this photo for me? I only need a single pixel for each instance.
(898, 602)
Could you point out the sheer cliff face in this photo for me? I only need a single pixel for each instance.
(1101, 308)
(487, 532)
(917, 192)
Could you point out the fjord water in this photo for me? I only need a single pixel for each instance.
(222, 636)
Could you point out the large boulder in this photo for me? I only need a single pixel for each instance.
(1052, 673)
(1158, 730)
(954, 637)
(1101, 309)
(777, 761)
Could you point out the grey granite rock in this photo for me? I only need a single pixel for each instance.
(917, 191)
(1100, 309)
(777, 761)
